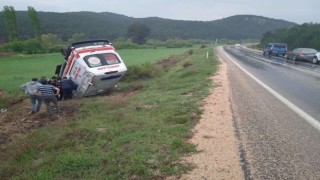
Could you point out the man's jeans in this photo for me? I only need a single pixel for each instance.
(36, 102)
(53, 99)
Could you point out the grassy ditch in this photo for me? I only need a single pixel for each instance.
(138, 132)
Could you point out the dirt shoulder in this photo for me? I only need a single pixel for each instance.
(215, 137)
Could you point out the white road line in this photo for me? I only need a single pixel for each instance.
(311, 120)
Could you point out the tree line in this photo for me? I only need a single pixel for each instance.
(114, 26)
(305, 35)
(40, 32)
(40, 43)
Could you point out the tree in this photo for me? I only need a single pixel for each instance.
(32, 46)
(49, 40)
(138, 33)
(10, 22)
(267, 38)
(305, 35)
(77, 37)
(35, 23)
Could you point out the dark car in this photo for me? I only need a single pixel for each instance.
(275, 49)
(302, 54)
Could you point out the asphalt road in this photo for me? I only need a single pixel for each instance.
(276, 112)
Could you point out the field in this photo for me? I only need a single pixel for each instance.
(19, 69)
(137, 132)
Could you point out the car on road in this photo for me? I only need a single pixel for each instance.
(275, 49)
(316, 58)
(307, 54)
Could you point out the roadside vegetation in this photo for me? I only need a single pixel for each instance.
(137, 132)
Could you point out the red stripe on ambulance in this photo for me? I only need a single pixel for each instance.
(70, 61)
(95, 49)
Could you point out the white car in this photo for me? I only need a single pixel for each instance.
(316, 58)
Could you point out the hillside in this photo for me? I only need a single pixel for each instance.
(112, 26)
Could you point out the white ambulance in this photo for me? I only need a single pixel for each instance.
(94, 66)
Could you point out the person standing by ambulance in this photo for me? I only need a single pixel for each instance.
(48, 94)
(67, 87)
(54, 82)
(29, 88)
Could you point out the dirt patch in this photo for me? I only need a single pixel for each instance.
(169, 62)
(6, 54)
(17, 121)
(218, 156)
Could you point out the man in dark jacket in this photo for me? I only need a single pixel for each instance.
(67, 87)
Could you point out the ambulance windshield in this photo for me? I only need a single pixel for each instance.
(97, 60)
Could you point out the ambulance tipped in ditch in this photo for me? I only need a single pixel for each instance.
(93, 66)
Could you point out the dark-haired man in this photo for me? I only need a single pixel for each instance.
(29, 88)
(48, 94)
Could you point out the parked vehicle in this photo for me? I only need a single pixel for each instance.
(275, 49)
(316, 58)
(94, 66)
(302, 54)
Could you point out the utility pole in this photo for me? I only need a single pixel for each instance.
(215, 46)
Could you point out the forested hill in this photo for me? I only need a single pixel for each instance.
(112, 26)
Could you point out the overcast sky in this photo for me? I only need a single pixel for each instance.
(297, 11)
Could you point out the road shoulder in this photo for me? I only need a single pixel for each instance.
(214, 135)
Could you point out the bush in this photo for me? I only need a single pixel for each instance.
(177, 43)
(136, 72)
(203, 46)
(55, 49)
(156, 43)
(32, 46)
(128, 45)
(15, 46)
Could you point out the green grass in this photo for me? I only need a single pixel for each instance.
(124, 136)
(19, 69)
(139, 56)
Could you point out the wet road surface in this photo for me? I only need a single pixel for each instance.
(275, 141)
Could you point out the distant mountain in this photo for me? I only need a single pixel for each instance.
(111, 26)
(250, 26)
